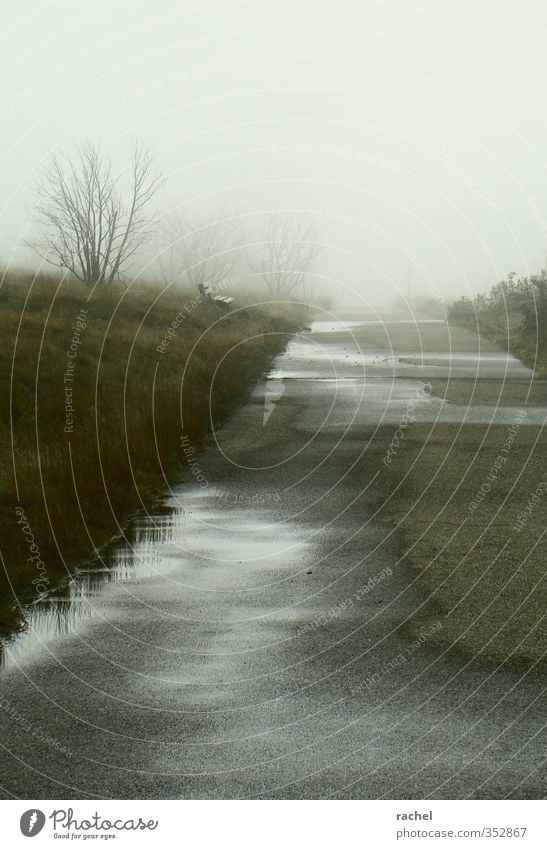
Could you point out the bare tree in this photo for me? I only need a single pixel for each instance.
(86, 226)
(289, 247)
(200, 250)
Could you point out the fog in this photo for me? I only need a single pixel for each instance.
(412, 133)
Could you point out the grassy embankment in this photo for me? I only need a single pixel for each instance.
(92, 413)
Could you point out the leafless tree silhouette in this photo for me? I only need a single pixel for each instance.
(200, 250)
(85, 225)
(288, 249)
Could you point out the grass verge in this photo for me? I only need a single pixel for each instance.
(98, 392)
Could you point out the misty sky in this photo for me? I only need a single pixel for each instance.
(411, 132)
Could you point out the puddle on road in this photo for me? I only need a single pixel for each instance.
(61, 611)
(343, 356)
(191, 545)
(237, 542)
(192, 532)
(324, 326)
(375, 386)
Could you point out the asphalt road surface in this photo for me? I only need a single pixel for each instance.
(251, 641)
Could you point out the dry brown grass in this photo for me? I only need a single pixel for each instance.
(131, 405)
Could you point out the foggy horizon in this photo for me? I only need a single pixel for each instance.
(410, 135)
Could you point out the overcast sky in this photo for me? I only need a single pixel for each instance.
(413, 132)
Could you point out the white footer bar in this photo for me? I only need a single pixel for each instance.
(265, 824)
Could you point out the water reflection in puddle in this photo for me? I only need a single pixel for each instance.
(312, 361)
(62, 611)
(374, 385)
(335, 325)
(189, 550)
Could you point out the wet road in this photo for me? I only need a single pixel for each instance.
(250, 641)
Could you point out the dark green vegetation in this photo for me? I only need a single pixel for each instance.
(513, 315)
(97, 393)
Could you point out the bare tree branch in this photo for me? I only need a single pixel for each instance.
(85, 225)
(196, 251)
(289, 247)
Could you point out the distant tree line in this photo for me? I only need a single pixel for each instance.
(91, 222)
